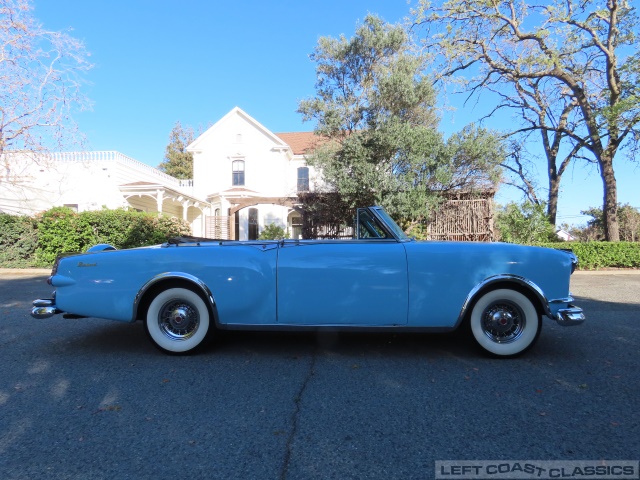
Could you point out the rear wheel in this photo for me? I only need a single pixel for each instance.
(177, 321)
(505, 323)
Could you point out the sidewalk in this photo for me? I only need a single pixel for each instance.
(25, 272)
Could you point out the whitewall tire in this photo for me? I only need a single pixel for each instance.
(177, 320)
(505, 323)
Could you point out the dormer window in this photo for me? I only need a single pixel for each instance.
(238, 172)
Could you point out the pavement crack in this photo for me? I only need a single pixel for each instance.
(296, 415)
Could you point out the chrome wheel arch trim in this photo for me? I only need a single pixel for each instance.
(168, 276)
(504, 278)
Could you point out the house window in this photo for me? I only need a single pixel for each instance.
(303, 179)
(72, 206)
(253, 224)
(238, 172)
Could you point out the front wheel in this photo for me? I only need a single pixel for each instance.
(177, 320)
(505, 323)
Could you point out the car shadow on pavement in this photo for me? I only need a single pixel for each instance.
(90, 335)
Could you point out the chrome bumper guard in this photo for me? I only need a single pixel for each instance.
(570, 316)
(44, 308)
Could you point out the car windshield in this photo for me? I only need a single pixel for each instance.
(391, 225)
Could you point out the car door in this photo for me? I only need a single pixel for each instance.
(342, 282)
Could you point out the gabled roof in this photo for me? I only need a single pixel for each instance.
(241, 113)
(301, 142)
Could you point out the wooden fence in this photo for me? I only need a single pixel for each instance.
(217, 227)
(469, 219)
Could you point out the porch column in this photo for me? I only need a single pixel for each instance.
(159, 200)
(185, 207)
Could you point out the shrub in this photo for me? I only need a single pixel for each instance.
(30, 242)
(273, 232)
(18, 241)
(524, 223)
(61, 230)
(594, 255)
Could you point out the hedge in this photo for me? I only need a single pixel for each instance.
(18, 241)
(35, 242)
(595, 255)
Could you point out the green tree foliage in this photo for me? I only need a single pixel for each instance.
(629, 224)
(525, 223)
(177, 161)
(585, 52)
(273, 232)
(376, 111)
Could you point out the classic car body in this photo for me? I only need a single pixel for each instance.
(187, 288)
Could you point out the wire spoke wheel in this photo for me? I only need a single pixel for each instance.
(177, 320)
(505, 323)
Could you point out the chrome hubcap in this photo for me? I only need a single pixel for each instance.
(503, 322)
(178, 319)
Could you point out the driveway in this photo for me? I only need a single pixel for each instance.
(92, 399)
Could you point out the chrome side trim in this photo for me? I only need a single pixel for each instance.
(261, 327)
(175, 276)
(505, 278)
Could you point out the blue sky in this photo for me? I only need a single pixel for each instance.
(159, 61)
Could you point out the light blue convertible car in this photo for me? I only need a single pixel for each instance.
(186, 289)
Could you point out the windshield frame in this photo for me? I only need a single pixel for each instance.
(390, 225)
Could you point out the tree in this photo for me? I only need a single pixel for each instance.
(547, 112)
(376, 111)
(177, 161)
(587, 50)
(629, 224)
(525, 223)
(518, 168)
(41, 75)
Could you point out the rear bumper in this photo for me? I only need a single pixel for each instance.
(570, 316)
(44, 308)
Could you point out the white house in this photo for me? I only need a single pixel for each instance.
(250, 176)
(244, 178)
(564, 235)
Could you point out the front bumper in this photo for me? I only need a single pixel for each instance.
(570, 316)
(44, 308)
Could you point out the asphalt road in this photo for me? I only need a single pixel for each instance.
(93, 399)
